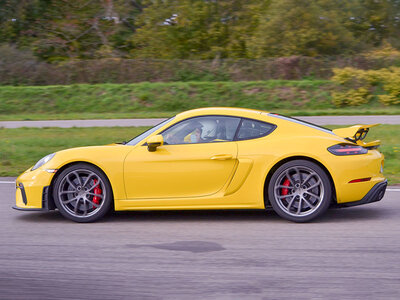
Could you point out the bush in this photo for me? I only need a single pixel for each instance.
(388, 99)
(386, 52)
(21, 67)
(353, 97)
(359, 86)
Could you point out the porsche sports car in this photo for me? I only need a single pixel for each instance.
(212, 158)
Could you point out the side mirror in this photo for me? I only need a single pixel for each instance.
(154, 142)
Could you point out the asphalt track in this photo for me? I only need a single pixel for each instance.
(351, 253)
(319, 120)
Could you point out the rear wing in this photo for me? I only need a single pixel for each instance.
(356, 134)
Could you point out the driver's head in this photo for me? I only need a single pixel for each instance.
(196, 125)
(197, 129)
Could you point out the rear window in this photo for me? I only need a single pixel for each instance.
(252, 129)
(308, 124)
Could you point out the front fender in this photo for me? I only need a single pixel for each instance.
(110, 159)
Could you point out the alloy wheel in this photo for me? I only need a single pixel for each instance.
(299, 191)
(81, 193)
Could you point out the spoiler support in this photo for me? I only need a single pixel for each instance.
(356, 134)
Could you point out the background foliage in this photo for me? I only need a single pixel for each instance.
(54, 42)
(59, 30)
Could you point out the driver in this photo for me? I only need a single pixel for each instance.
(195, 136)
(195, 133)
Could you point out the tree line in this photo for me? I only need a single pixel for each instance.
(60, 30)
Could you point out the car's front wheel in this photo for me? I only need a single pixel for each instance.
(299, 191)
(82, 193)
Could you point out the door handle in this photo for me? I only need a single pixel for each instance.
(222, 157)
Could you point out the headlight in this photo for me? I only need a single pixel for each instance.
(43, 161)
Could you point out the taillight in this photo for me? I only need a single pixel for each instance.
(360, 180)
(346, 149)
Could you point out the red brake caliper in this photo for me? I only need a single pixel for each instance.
(285, 191)
(97, 190)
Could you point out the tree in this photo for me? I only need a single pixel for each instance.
(288, 28)
(373, 21)
(59, 30)
(197, 29)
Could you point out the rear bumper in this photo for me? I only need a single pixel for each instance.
(375, 194)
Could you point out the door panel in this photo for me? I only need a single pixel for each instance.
(176, 171)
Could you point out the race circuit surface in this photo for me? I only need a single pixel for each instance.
(319, 120)
(351, 253)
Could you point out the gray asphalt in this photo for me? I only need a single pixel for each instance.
(351, 253)
(319, 120)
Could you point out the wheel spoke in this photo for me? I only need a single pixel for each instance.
(67, 192)
(299, 173)
(87, 179)
(313, 195)
(93, 186)
(86, 208)
(309, 203)
(70, 182)
(69, 200)
(283, 187)
(299, 208)
(91, 202)
(76, 206)
(289, 177)
(285, 196)
(77, 177)
(290, 203)
(314, 185)
(96, 195)
(309, 176)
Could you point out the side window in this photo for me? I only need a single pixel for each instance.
(252, 129)
(207, 129)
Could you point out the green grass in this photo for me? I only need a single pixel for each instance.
(21, 148)
(87, 116)
(141, 100)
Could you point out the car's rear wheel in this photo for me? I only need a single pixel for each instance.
(299, 191)
(82, 193)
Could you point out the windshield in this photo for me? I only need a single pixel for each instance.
(145, 134)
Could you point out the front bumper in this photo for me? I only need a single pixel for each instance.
(28, 209)
(375, 194)
(33, 192)
(21, 196)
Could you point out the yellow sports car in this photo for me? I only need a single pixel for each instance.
(212, 158)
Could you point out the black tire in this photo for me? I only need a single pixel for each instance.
(300, 191)
(82, 193)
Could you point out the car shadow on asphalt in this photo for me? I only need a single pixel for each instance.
(351, 214)
(331, 216)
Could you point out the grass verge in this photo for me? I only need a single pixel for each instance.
(163, 99)
(390, 147)
(21, 148)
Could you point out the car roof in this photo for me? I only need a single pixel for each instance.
(231, 111)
